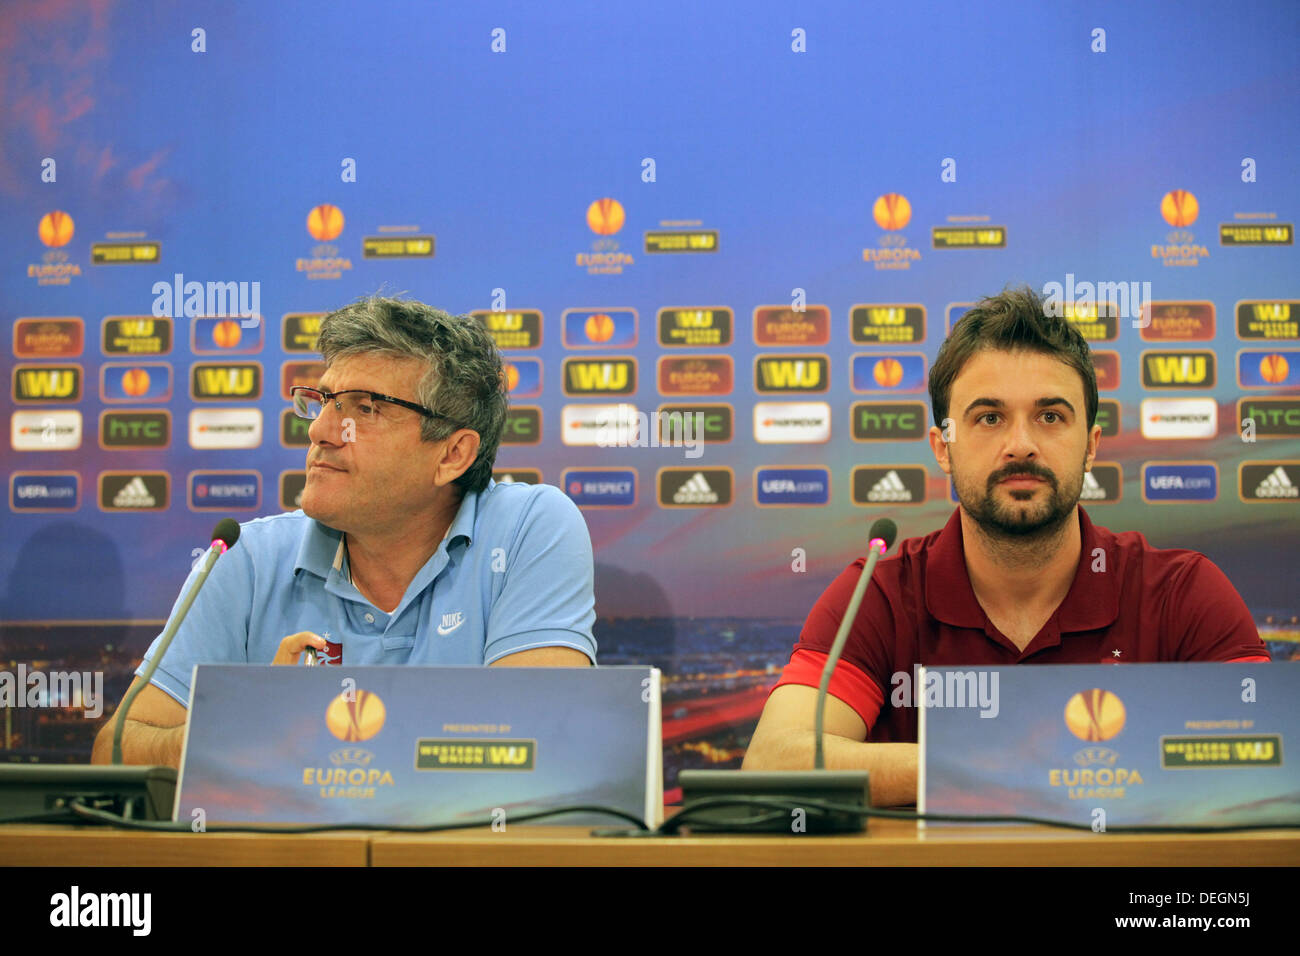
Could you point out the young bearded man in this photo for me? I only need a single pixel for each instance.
(405, 550)
(1019, 574)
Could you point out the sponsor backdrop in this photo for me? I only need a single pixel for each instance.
(730, 239)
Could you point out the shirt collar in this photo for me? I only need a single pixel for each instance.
(321, 550)
(1091, 603)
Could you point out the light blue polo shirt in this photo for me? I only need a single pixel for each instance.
(514, 572)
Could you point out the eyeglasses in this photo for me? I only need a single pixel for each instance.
(356, 403)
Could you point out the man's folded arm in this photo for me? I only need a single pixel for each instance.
(785, 736)
(215, 630)
(784, 740)
(154, 732)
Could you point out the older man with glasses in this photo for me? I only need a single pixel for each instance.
(405, 550)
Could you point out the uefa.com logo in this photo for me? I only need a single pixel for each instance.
(213, 299)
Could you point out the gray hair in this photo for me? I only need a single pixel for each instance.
(464, 380)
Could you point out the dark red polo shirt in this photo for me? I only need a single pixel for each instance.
(1140, 604)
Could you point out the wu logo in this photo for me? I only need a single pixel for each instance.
(1273, 311)
(505, 321)
(886, 316)
(136, 328)
(694, 319)
(53, 384)
(508, 755)
(218, 381)
(791, 375)
(617, 377)
(1177, 369)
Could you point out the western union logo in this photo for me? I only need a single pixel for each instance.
(948, 237)
(695, 326)
(1235, 234)
(242, 380)
(301, 331)
(1178, 369)
(600, 377)
(1268, 320)
(460, 753)
(47, 383)
(137, 335)
(1263, 750)
(887, 324)
(797, 373)
(521, 329)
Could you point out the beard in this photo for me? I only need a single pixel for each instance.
(1030, 514)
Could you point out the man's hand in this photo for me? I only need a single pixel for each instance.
(785, 737)
(291, 647)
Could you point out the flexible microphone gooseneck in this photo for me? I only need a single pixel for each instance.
(224, 536)
(883, 532)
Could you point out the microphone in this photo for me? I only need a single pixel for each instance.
(725, 800)
(883, 532)
(224, 536)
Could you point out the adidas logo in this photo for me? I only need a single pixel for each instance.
(1277, 485)
(134, 494)
(889, 488)
(696, 491)
(1092, 489)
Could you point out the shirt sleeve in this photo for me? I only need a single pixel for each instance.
(848, 683)
(1207, 619)
(546, 597)
(216, 629)
(865, 665)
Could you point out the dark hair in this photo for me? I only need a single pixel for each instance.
(464, 380)
(1013, 320)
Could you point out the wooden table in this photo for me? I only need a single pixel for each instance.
(48, 845)
(886, 843)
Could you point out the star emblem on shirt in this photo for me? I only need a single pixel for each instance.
(1116, 652)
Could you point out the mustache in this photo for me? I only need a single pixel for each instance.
(1022, 470)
